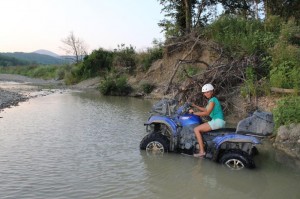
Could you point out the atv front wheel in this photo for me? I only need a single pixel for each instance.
(155, 143)
(237, 160)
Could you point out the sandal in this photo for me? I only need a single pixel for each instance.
(199, 155)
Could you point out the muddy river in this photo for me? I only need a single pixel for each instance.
(82, 145)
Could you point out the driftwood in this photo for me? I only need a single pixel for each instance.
(282, 90)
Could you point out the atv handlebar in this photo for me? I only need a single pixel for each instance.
(184, 108)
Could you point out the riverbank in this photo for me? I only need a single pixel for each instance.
(17, 88)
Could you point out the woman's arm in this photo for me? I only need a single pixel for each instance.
(204, 111)
(199, 107)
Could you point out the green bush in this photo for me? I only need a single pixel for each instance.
(72, 76)
(107, 86)
(285, 61)
(125, 57)
(287, 111)
(151, 56)
(115, 86)
(60, 74)
(273, 24)
(147, 87)
(240, 36)
(254, 87)
(189, 70)
(249, 86)
(285, 75)
(43, 72)
(96, 64)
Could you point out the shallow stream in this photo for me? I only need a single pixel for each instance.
(82, 145)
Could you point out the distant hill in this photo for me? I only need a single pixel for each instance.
(46, 52)
(36, 58)
(11, 61)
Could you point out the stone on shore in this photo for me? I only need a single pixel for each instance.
(8, 98)
(288, 139)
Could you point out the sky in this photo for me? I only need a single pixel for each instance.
(29, 25)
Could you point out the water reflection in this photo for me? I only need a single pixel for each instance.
(83, 145)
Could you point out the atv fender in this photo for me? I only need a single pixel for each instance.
(163, 120)
(234, 138)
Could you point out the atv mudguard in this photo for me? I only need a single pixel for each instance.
(163, 120)
(234, 138)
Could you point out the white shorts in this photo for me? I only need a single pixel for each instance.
(216, 124)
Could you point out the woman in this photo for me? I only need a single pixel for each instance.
(214, 110)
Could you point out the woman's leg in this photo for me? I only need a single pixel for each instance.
(198, 130)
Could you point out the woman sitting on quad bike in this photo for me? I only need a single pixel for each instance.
(214, 110)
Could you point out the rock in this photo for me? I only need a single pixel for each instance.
(288, 139)
(282, 134)
(8, 98)
(18, 88)
(295, 131)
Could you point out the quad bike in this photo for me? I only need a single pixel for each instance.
(170, 129)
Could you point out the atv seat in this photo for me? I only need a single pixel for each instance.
(222, 131)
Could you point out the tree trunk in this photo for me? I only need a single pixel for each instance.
(188, 16)
(256, 8)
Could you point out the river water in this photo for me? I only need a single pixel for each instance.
(82, 145)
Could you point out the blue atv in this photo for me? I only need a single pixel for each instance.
(170, 129)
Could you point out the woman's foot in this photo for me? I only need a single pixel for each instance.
(199, 155)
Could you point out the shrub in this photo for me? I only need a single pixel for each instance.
(72, 77)
(285, 59)
(107, 86)
(287, 111)
(44, 72)
(98, 61)
(115, 86)
(254, 87)
(151, 56)
(147, 87)
(240, 36)
(60, 74)
(285, 75)
(122, 87)
(189, 70)
(249, 87)
(124, 57)
(273, 24)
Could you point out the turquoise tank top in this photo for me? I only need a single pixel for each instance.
(217, 112)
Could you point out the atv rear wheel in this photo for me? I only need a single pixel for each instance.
(237, 160)
(155, 143)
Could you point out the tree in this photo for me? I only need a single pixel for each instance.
(238, 7)
(183, 16)
(283, 8)
(74, 46)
